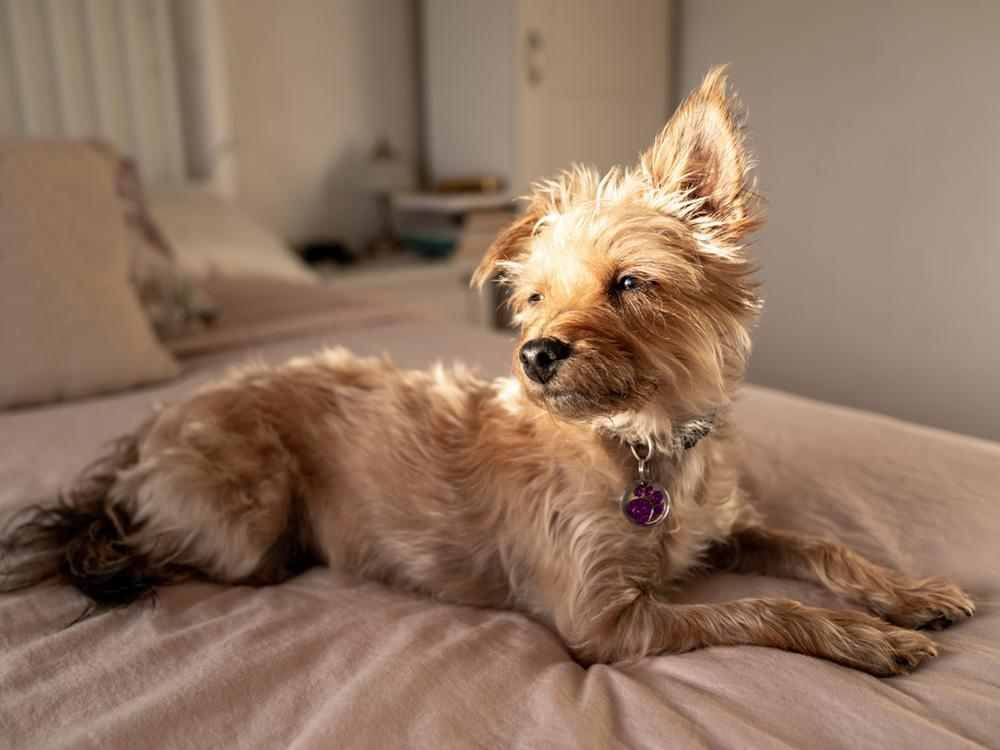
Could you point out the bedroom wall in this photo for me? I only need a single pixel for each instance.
(877, 130)
(313, 85)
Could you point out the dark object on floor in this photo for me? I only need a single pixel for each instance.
(327, 251)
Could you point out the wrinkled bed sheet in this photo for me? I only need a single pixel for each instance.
(258, 310)
(329, 660)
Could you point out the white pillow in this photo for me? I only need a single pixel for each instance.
(213, 237)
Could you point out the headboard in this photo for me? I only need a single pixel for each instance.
(146, 75)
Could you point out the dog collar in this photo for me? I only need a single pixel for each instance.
(692, 432)
(646, 502)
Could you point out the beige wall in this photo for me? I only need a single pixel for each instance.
(313, 85)
(878, 129)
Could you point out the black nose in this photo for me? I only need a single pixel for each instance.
(540, 358)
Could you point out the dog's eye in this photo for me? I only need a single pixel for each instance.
(536, 297)
(628, 283)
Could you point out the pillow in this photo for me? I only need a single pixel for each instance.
(70, 322)
(173, 303)
(213, 237)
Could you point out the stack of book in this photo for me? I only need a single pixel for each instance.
(443, 224)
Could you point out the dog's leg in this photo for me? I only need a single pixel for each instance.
(899, 599)
(649, 625)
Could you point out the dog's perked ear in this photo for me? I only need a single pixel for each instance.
(510, 244)
(701, 154)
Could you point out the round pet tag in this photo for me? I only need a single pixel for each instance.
(645, 503)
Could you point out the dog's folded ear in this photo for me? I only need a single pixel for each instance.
(701, 154)
(510, 244)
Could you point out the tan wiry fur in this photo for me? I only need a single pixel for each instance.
(504, 493)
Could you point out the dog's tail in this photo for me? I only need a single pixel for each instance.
(84, 541)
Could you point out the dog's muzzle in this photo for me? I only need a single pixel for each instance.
(541, 357)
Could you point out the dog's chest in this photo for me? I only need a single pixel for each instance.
(578, 533)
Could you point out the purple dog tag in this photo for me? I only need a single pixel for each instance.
(645, 503)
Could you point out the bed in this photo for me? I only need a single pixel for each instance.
(329, 660)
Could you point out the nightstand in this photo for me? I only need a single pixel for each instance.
(438, 285)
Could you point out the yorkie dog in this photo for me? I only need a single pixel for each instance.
(581, 491)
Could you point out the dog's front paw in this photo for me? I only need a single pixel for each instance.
(876, 647)
(926, 604)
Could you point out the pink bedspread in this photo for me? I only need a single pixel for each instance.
(328, 660)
